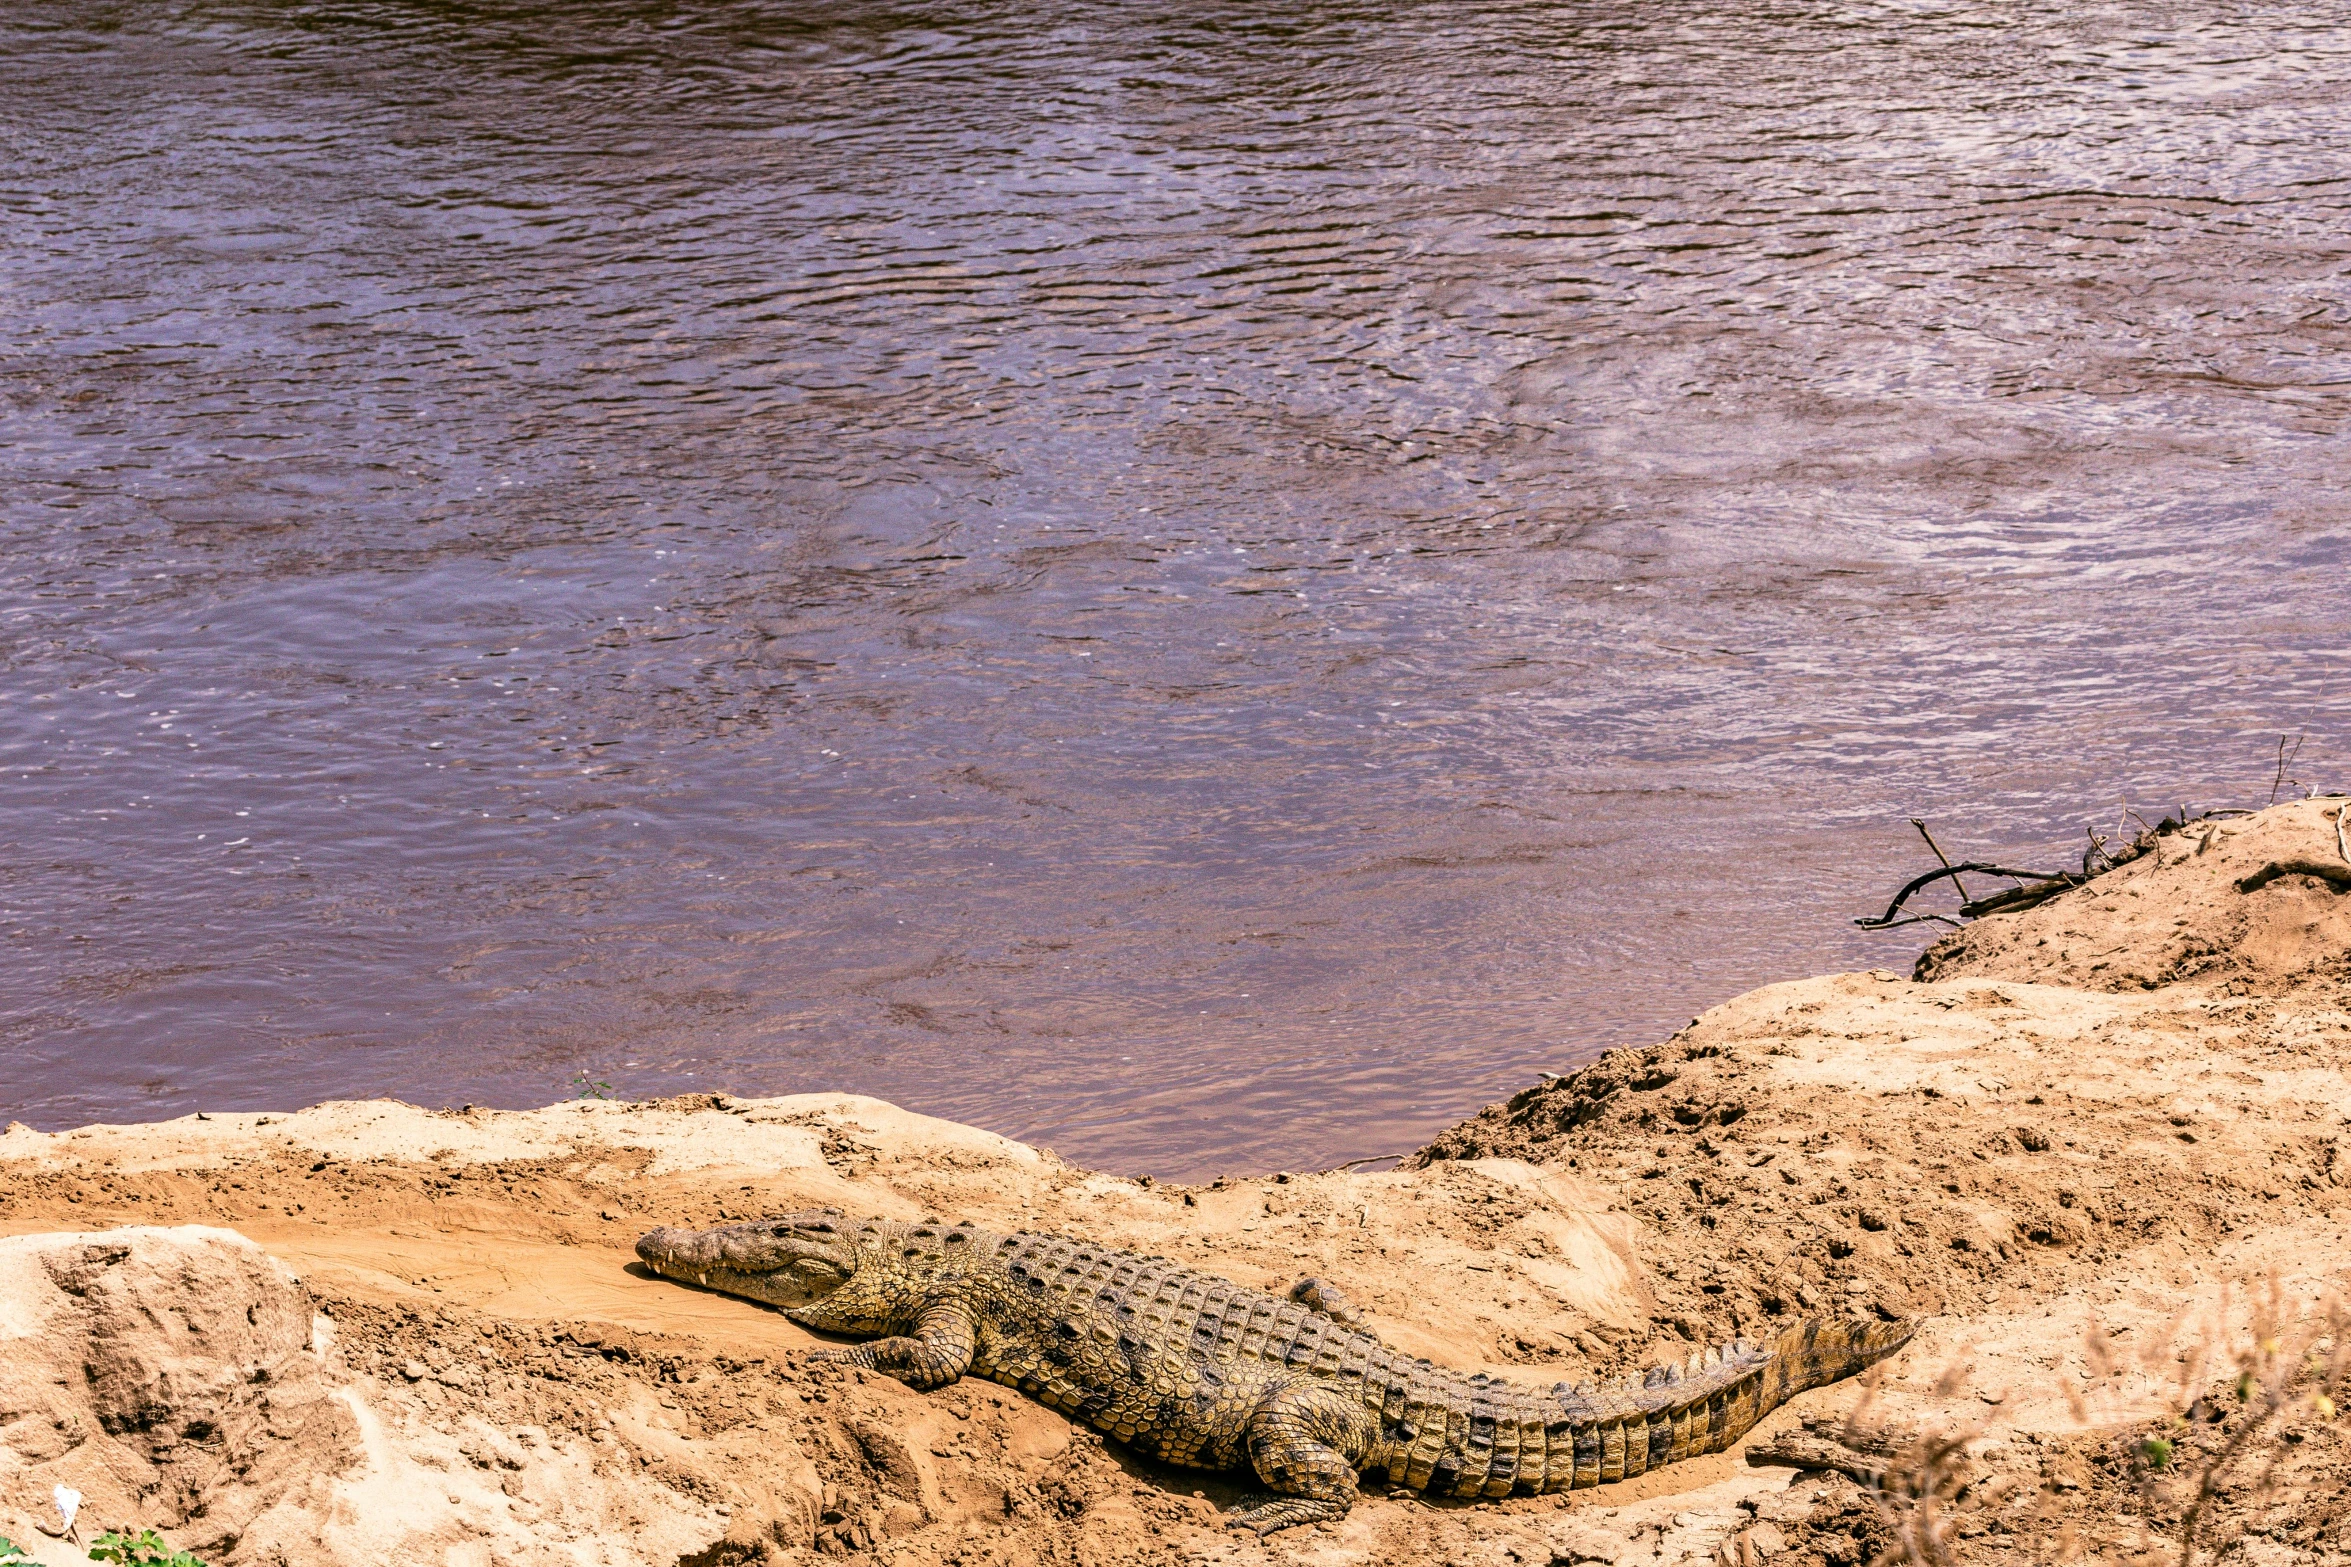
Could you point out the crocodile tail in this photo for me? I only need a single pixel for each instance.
(1816, 1353)
(1677, 1412)
(1623, 1429)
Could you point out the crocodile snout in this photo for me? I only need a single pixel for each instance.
(677, 1251)
(785, 1262)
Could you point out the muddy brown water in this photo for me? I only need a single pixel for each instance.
(1212, 586)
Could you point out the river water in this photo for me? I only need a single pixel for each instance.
(1213, 589)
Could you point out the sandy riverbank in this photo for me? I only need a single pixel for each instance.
(2069, 1145)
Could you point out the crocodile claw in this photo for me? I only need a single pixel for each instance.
(1282, 1512)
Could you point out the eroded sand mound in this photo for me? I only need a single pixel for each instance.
(2261, 903)
(1938, 1148)
(168, 1375)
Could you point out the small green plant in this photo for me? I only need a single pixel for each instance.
(585, 1087)
(10, 1551)
(144, 1549)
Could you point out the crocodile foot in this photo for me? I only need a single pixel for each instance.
(1284, 1512)
(1324, 1296)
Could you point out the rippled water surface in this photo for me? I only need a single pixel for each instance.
(1210, 585)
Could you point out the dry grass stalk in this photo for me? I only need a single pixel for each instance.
(2292, 1362)
(2298, 1359)
(1920, 1481)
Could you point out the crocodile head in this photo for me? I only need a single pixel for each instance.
(794, 1262)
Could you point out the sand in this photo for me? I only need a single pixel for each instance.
(2081, 1141)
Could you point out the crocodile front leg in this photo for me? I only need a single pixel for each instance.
(938, 1352)
(1304, 1440)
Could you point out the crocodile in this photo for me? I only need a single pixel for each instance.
(1197, 1371)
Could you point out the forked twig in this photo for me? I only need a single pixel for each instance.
(2285, 760)
(1957, 885)
(2053, 881)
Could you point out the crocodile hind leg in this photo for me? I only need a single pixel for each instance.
(1303, 1442)
(1324, 1296)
